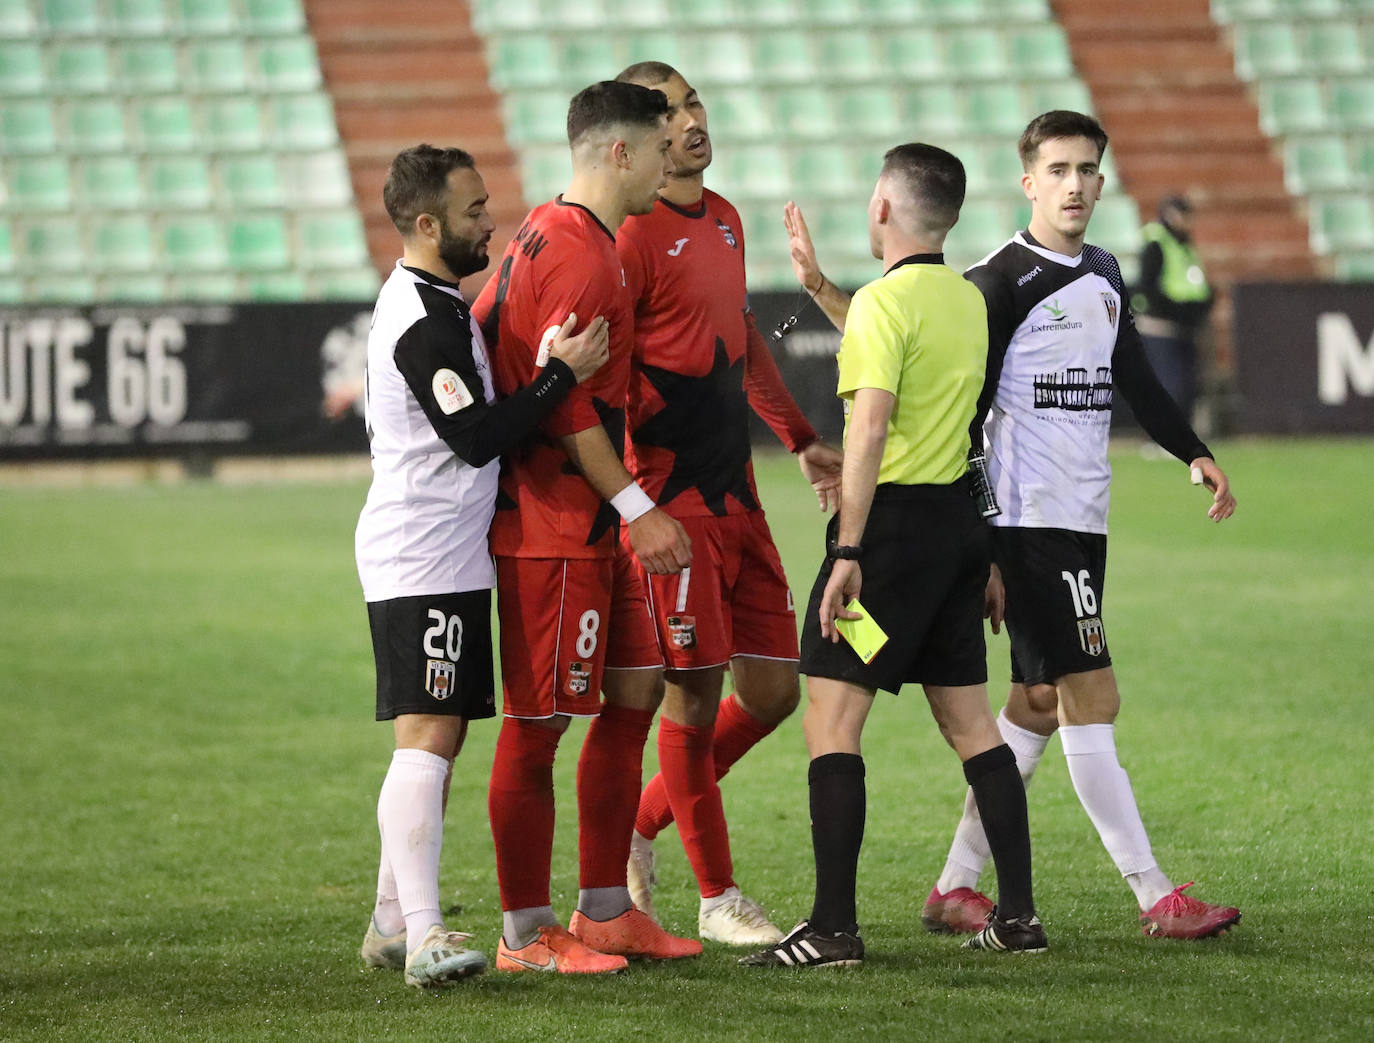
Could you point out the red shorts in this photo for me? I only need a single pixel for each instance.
(563, 622)
(733, 600)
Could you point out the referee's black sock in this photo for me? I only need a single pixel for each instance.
(837, 832)
(1001, 798)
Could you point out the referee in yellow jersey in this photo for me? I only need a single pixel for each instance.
(911, 544)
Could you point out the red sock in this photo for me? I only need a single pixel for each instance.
(736, 732)
(689, 775)
(608, 777)
(520, 805)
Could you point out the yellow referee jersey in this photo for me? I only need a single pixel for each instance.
(920, 332)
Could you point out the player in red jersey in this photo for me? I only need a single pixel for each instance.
(700, 364)
(574, 617)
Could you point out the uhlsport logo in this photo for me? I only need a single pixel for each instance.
(1029, 276)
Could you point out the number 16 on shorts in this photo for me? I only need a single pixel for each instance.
(1092, 637)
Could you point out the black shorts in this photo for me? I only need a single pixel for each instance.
(925, 571)
(433, 655)
(1054, 580)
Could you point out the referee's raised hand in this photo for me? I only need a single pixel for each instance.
(843, 587)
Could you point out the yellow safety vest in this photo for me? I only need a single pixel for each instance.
(1181, 279)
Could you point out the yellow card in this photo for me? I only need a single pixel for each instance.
(864, 635)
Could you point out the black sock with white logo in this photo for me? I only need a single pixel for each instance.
(838, 804)
(1001, 798)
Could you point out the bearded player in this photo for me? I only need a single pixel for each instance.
(700, 365)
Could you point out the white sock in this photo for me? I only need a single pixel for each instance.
(724, 898)
(970, 852)
(411, 813)
(386, 914)
(1104, 790)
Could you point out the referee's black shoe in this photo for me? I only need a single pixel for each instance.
(1020, 934)
(807, 947)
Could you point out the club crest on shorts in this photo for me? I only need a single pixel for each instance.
(439, 677)
(1091, 635)
(579, 678)
(683, 631)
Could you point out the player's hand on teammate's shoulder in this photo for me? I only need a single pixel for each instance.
(822, 465)
(1214, 478)
(660, 542)
(584, 352)
(802, 249)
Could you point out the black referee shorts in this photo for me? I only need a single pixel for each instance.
(433, 655)
(1054, 580)
(925, 572)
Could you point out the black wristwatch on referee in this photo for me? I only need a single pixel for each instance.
(843, 551)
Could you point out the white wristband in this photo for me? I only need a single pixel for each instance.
(632, 502)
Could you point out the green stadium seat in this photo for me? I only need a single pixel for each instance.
(773, 12)
(289, 64)
(995, 109)
(11, 289)
(1333, 47)
(840, 229)
(784, 56)
(259, 243)
(587, 58)
(975, 54)
(1038, 52)
(147, 288)
(825, 171)
(846, 55)
(653, 45)
(347, 284)
(26, 127)
(527, 60)
(1315, 164)
(110, 183)
(53, 245)
(265, 17)
(721, 57)
(706, 14)
(79, 67)
(1288, 106)
(70, 17)
(881, 13)
(1265, 49)
(1362, 161)
(805, 113)
(833, 12)
(194, 243)
(179, 183)
(164, 125)
(932, 111)
(1352, 104)
(737, 114)
(751, 171)
(580, 14)
(544, 173)
(137, 17)
(498, 16)
(1342, 223)
(63, 289)
(1044, 96)
(1004, 11)
(274, 286)
(647, 14)
(149, 67)
(869, 112)
(1295, 10)
(765, 239)
(21, 68)
(16, 19)
(202, 289)
(1116, 225)
(1358, 267)
(251, 181)
(303, 121)
(331, 240)
(913, 54)
(122, 244)
(942, 12)
(6, 249)
(205, 17)
(231, 124)
(217, 66)
(319, 179)
(982, 227)
(38, 183)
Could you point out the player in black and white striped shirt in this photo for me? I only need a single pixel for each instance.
(436, 431)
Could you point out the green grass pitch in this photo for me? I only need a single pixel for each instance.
(189, 770)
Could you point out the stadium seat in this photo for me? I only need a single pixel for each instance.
(331, 239)
(231, 124)
(1116, 225)
(705, 14)
(348, 284)
(975, 54)
(198, 289)
(16, 19)
(995, 109)
(26, 127)
(110, 183)
(251, 181)
(194, 244)
(61, 289)
(164, 125)
(579, 14)
(587, 58)
(318, 179)
(1342, 223)
(774, 12)
(146, 288)
(1352, 104)
(1288, 106)
(824, 171)
(765, 238)
(274, 286)
(136, 17)
(805, 113)
(784, 56)
(259, 243)
(179, 183)
(738, 115)
(1315, 164)
(654, 14)
(655, 45)
(204, 17)
(1362, 161)
(53, 245)
(38, 183)
(70, 17)
(1330, 47)
(941, 12)
(1038, 52)
(913, 54)
(751, 171)
(1266, 49)
(544, 173)
(932, 111)
(535, 116)
(1356, 267)
(96, 123)
(721, 57)
(21, 68)
(79, 67)
(1003, 11)
(288, 64)
(303, 121)
(122, 244)
(840, 228)
(217, 66)
(527, 60)
(870, 112)
(833, 12)
(148, 67)
(1045, 95)
(498, 16)
(846, 55)
(265, 17)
